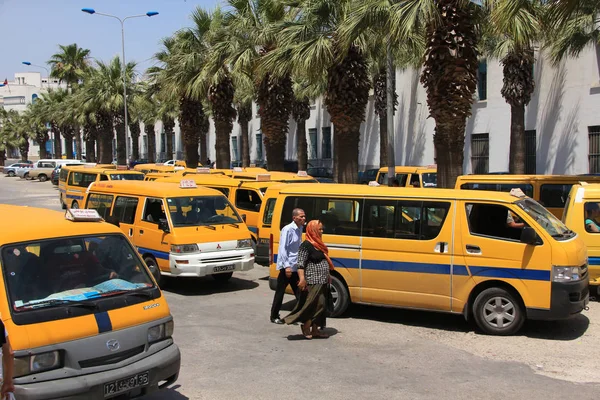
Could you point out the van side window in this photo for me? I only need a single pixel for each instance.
(125, 208)
(591, 216)
(63, 175)
(492, 220)
(103, 177)
(247, 200)
(340, 216)
(379, 218)
(223, 190)
(81, 179)
(499, 187)
(154, 211)
(554, 195)
(269, 208)
(100, 203)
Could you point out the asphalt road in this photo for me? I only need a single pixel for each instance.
(230, 350)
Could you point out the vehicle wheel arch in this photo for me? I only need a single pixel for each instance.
(339, 277)
(150, 256)
(492, 283)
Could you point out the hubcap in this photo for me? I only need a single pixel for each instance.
(334, 295)
(499, 312)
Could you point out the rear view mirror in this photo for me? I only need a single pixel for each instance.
(528, 236)
(163, 225)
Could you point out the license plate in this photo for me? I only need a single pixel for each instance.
(224, 268)
(126, 384)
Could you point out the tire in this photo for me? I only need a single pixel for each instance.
(42, 178)
(26, 176)
(341, 297)
(11, 174)
(498, 312)
(75, 204)
(63, 205)
(154, 269)
(222, 277)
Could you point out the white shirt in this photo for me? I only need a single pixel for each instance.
(289, 243)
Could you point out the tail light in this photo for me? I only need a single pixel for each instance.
(271, 248)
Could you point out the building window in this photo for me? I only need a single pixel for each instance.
(594, 149)
(14, 100)
(480, 153)
(326, 149)
(312, 137)
(234, 145)
(259, 146)
(482, 80)
(530, 150)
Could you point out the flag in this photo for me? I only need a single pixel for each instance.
(5, 81)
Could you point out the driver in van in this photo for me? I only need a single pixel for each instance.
(513, 221)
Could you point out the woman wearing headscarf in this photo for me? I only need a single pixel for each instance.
(314, 266)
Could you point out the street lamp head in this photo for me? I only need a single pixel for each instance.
(152, 13)
(26, 63)
(88, 10)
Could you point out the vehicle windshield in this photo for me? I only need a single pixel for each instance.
(53, 272)
(202, 211)
(126, 177)
(546, 219)
(429, 179)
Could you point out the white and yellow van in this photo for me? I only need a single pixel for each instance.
(180, 230)
(408, 176)
(443, 250)
(84, 316)
(73, 181)
(582, 214)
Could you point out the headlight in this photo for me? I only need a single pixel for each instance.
(565, 274)
(184, 248)
(37, 363)
(244, 243)
(160, 332)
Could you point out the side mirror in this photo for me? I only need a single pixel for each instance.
(163, 225)
(528, 236)
(243, 217)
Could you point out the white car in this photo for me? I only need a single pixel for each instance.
(11, 170)
(23, 172)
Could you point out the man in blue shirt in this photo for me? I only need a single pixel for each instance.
(287, 258)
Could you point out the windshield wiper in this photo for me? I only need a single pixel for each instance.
(135, 292)
(232, 224)
(59, 302)
(214, 228)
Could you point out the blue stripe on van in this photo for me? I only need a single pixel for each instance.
(442, 269)
(158, 254)
(511, 273)
(74, 197)
(594, 260)
(103, 321)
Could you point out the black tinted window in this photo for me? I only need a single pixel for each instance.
(125, 208)
(269, 208)
(100, 203)
(499, 187)
(247, 200)
(554, 195)
(493, 220)
(340, 216)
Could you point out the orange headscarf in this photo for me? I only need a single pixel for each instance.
(314, 237)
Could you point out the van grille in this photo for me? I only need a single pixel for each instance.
(111, 358)
(221, 259)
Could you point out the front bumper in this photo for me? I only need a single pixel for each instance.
(162, 367)
(197, 266)
(567, 300)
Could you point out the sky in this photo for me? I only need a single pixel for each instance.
(33, 29)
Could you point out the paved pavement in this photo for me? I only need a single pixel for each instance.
(230, 350)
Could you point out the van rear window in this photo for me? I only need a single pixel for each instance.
(269, 208)
(553, 195)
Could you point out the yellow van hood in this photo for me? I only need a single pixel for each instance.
(570, 253)
(23, 337)
(201, 234)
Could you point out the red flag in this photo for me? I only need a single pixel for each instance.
(5, 81)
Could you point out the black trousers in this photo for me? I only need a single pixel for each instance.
(282, 282)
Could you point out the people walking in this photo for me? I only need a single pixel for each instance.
(314, 266)
(287, 258)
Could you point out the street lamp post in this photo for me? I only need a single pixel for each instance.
(122, 21)
(40, 66)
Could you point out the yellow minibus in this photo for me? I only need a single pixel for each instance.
(84, 316)
(410, 176)
(443, 250)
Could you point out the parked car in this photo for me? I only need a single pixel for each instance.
(54, 175)
(11, 170)
(367, 176)
(23, 172)
(321, 174)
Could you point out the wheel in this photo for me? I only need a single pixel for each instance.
(11, 173)
(43, 178)
(75, 204)
(26, 176)
(223, 277)
(63, 205)
(498, 312)
(341, 297)
(153, 267)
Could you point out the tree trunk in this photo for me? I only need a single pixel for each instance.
(276, 148)
(24, 148)
(134, 131)
(202, 139)
(68, 134)
(121, 140)
(90, 151)
(383, 140)
(106, 149)
(169, 126)
(2, 157)
(302, 145)
(149, 129)
(347, 162)
(449, 147)
(43, 153)
(191, 123)
(222, 148)
(57, 141)
(220, 96)
(245, 144)
(78, 142)
(517, 140)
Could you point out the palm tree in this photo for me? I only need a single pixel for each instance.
(8, 134)
(37, 125)
(147, 106)
(70, 64)
(513, 30)
(310, 45)
(300, 113)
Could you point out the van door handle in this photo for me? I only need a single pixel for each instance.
(472, 249)
(130, 232)
(441, 247)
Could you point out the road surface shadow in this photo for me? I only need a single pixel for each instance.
(167, 394)
(206, 286)
(329, 331)
(570, 329)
